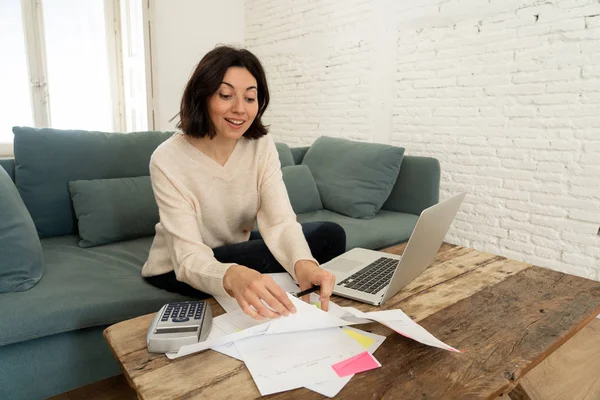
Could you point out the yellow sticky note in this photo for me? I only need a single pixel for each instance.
(363, 340)
(318, 305)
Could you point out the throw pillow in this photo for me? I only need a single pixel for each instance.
(48, 159)
(21, 256)
(112, 210)
(301, 188)
(353, 178)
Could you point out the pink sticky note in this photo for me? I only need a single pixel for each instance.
(353, 365)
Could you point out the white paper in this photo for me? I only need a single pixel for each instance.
(227, 324)
(306, 318)
(328, 388)
(285, 281)
(222, 340)
(343, 313)
(332, 387)
(404, 325)
(228, 304)
(237, 325)
(291, 360)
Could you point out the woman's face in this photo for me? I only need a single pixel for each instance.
(233, 107)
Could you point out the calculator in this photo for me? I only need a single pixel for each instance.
(179, 324)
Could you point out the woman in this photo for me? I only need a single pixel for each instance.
(217, 176)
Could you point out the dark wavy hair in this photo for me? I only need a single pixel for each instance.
(194, 119)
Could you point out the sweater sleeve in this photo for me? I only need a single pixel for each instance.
(193, 261)
(276, 219)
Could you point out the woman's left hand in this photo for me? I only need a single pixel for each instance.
(308, 273)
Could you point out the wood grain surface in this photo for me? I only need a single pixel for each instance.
(573, 371)
(508, 316)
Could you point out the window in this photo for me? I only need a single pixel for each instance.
(134, 65)
(77, 64)
(73, 65)
(15, 97)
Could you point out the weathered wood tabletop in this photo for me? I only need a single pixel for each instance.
(506, 315)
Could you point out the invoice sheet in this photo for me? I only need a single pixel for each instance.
(369, 342)
(295, 359)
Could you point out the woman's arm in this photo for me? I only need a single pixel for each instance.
(193, 261)
(276, 218)
(283, 234)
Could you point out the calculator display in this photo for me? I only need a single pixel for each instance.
(177, 330)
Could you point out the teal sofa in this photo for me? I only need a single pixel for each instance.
(51, 334)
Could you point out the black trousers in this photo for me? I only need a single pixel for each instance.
(325, 239)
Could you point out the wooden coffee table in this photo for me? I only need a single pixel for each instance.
(506, 315)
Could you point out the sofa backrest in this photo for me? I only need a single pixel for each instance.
(9, 165)
(298, 153)
(48, 159)
(417, 186)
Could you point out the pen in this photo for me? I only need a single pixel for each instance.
(307, 291)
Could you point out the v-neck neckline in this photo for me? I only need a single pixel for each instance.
(198, 155)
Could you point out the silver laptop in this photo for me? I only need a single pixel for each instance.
(373, 276)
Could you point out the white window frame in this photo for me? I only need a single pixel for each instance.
(33, 24)
(115, 62)
(149, 19)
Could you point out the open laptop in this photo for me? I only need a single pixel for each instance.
(373, 276)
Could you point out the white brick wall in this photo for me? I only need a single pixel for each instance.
(505, 95)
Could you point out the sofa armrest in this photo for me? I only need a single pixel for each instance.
(417, 186)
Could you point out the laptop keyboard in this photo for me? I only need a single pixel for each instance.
(373, 277)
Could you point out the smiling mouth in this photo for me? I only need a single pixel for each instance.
(235, 121)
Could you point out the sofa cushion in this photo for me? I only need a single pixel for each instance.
(82, 288)
(301, 188)
(21, 257)
(353, 178)
(9, 166)
(386, 229)
(47, 159)
(285, 154)
(111, 210)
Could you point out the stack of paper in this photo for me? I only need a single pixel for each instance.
(322, 360)
(308, 348)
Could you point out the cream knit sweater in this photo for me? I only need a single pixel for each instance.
(203, 205)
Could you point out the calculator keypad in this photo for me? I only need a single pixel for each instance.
(183, 311)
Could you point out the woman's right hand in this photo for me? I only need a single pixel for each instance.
(249, 287)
